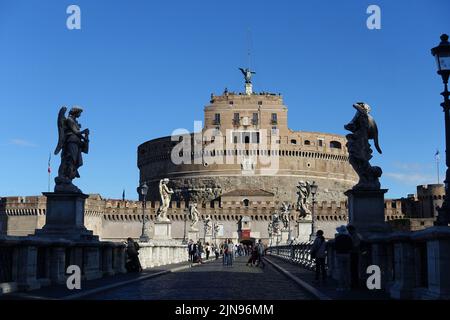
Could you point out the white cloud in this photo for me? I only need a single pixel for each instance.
(22, 143)
(413, 179)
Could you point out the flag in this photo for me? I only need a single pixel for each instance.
(49, 169)
(123, 195)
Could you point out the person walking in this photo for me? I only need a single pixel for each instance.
(207, 250)
(318, 252)
(225, 253)
(343, 246)
(200, 250)
(260, 249)
(133, 264)
(230, 252)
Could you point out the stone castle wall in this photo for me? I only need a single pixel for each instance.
(116, 219)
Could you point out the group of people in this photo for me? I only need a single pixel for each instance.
(198, 250)
(257, 252)
(347, 245)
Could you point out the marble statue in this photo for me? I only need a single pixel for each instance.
(285, 210)
(363, 128)
(304, 192)
(247, 74)
(270, 229)
(276, 223)
(207, 223)
(166, 195)
(193, 215)
(72, 142)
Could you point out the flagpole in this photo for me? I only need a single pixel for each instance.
(437, 165)
(49, 171)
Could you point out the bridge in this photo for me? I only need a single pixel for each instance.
(279, 279)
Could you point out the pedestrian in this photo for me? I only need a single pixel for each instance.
(225, 253)
(318, 252)
(133, 264)
(200, 250)
(260, 253)
(343, 246)
(191, 250)
(207, 250)
(230, 252)
(216, 252)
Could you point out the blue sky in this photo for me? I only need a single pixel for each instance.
(141, 69)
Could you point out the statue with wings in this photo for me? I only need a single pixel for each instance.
(247, 74)
(304, 191)
(72, 142)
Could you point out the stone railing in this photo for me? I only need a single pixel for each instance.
(298, 253)
(28, 264)
(413, 265)
(158, 254)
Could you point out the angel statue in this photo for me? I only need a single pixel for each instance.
(193, 215)
(304, 191)
(247, 74)
(270, 229)
(363, 128)
(207, 223)
(276, 223)
(72, 142)
(166, 194)
(285, 210)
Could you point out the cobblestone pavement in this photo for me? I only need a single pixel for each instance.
(212, 281)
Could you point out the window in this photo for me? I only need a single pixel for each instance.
(307, 142)
(293, 141)
(236, 118)
(246, 202)
(274, 119)
(217, 118)
(320, 142)
(335, 144)
(255, 119)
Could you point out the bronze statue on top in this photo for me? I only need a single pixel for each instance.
(72, 142)
(247, 74)
(363, 128)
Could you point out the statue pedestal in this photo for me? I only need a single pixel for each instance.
(284, 237)
(304, 230)
(162, 230)
(366, 210)
(193, 235)
(64, 217)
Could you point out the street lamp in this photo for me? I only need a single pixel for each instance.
(313, 187)
(442, 55)
(142, 190)
(184, 231)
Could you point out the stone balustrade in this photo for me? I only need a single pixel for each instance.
(157, 254)
(298, 253)
(413, 265)
(28, 263)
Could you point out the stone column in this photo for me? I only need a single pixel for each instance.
(58, 264)
(26, 264)
(438, 261)
(405, 277)
(107, 256)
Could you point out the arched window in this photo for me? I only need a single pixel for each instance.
(307, 142)
(246, 202)
(335, 144)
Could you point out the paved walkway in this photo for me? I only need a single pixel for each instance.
(327, 290)
(213, 281)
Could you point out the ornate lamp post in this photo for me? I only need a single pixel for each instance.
(442, 55)
(184, 230)
(142, 190)
(313, 187)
